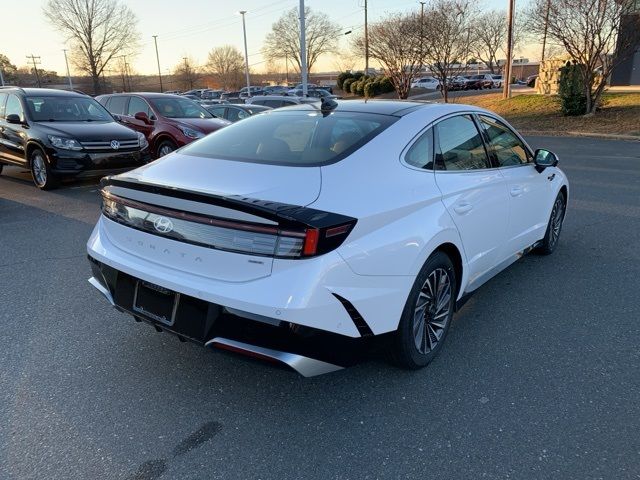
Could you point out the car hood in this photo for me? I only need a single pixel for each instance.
(89, 131)
(291, 185)
(206, 125)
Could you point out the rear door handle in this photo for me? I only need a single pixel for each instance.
(516, 191)
(462, 208)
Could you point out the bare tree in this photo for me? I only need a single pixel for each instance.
(489, 37)
(99, 30)
(395, 43)
(284, 39)
(227, 64)
(9, 70)
(448, 26)
(590, 32)
(186, 73)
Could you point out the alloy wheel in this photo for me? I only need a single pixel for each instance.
(39, 168)
(432, 311)
(557, 216)
(165, 150)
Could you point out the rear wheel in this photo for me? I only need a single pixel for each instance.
(427, 314)
(43, 178)
(552, 235)
(1, 165)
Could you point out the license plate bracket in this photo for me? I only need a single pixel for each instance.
(155, 302)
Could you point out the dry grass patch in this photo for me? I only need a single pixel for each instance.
(619, 114)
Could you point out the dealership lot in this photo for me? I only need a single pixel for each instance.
(538, 377)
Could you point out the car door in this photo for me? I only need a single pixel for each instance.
(474, 193)
(3, 100)
(138, 105)
(529, 190)
(219, 112)
(13, 136)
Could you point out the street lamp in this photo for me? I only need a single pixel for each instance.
(246, 55)
(68, 74)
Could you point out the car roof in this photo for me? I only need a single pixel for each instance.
(49, 92)
(397, 108)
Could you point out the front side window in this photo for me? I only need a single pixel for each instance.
(460, 145)
(14, 107)
(66, 109)
(292, 137)
(179, 108)
(420, 155)
(507, 147)
(217, 111)
(137, 105)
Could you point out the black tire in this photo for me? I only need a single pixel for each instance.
(41, 173)
(1, 167)
(406, 344)
(554, 227)
(165, 147)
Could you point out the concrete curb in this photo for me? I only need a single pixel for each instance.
(606, 136)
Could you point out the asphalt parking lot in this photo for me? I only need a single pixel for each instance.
(539, 377)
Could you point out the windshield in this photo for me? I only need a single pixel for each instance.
(295, 137)
(172, 107)
(66, 109)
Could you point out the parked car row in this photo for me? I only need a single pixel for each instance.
(459, 82)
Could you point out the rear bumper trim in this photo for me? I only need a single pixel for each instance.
(102, 289)
(305, 366)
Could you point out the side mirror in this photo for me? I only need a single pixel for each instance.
(13, 118)
(544, 159)
(143, 117)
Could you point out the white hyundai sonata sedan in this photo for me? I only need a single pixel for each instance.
(342, 219)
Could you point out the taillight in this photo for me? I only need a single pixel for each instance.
(299, 233)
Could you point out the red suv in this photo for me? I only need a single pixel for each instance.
(168, 121)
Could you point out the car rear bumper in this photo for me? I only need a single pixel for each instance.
(322, 293)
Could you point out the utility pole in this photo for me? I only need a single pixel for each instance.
(422, 36)
(506, 92)
(366, 40)
(303, 50)
(546, 26)
(35, 59)
(246, 54)
(155, 40)
(69, 74)
(286, 67)
(1, 78)
(128, 73)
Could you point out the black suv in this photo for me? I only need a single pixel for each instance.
(57, 134)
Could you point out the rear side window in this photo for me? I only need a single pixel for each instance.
(3, 99)
(117, 105)
(460, 145)
(420, 155)
(294, 137)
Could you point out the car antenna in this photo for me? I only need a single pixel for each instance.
(327, 105)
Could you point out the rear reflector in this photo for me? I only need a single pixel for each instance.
(311, 242)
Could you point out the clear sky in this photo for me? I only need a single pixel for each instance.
(187, 28)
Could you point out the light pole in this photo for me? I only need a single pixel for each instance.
(422, 35)
(366, 40)
(155, 40)
(68, 74)
(1, 78)
(303, 50)
(506, 92)
(246, 54)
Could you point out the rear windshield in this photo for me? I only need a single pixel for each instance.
(66, 109)
(295, 138)
(172, 107)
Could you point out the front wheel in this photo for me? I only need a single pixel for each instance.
(554, 227)
(43, 178)
(1, 166)
(165, 148)
(427, 314)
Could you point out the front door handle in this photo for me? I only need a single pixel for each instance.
(516, 191)
(462, 208)
(551, 177)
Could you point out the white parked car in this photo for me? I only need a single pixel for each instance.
(277, 101)
(426, 82)
(342, 220)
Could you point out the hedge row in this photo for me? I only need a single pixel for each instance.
(360, 84)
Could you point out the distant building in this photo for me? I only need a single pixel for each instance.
(628, 71)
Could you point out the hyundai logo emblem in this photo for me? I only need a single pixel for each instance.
(115, 144)
(163, 224)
